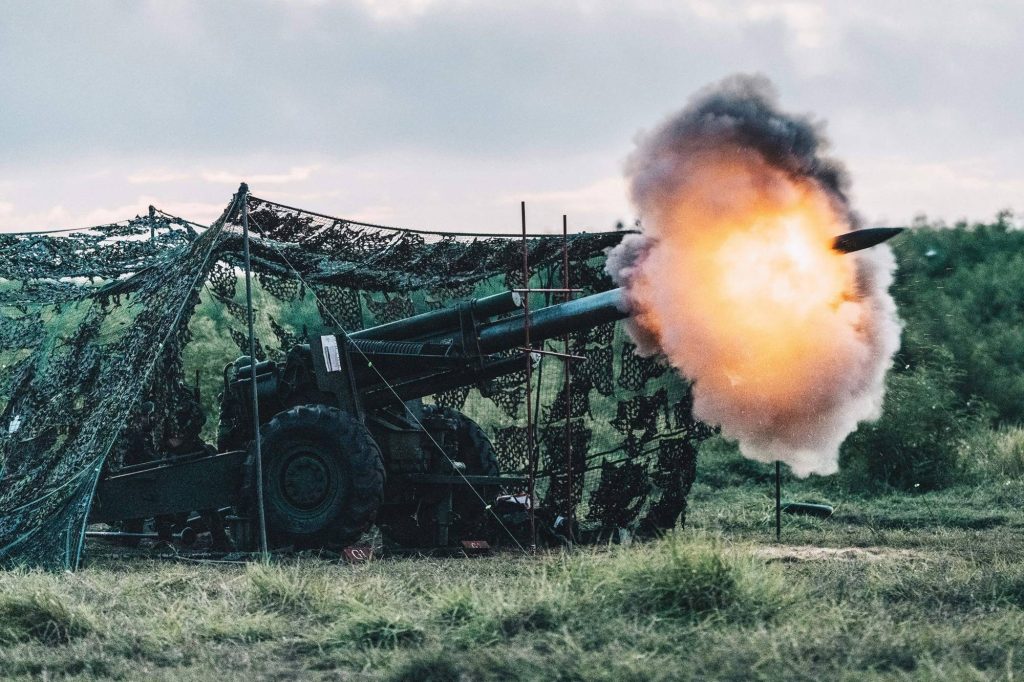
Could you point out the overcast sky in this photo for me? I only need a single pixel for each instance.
(444, 114)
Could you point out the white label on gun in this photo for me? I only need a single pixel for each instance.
(331, 357)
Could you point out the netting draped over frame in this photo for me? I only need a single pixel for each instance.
(89, 321)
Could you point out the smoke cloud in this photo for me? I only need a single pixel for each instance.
(734, 282)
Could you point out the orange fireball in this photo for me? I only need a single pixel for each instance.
(739, 287)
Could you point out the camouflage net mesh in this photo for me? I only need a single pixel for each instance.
(88, 320)
(95, 322)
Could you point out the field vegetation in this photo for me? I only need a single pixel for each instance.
(917, 576)
(894, 586)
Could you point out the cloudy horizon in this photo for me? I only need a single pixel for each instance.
(440, 114)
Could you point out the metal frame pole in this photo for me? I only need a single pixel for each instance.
(778, 501)
(567, 366)
(531, 458)
(540, 363)
(243, 193)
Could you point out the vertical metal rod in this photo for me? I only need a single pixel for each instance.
(567, 365)
(778, 501)
(549, 283)
(531, 458)
(243, 193)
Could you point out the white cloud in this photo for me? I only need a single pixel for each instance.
(605, 196)
(378, 215)
(153, 177)
(397, 10)
(60, 216)
(898, 188)
(294, 174)
(806, 20)
(52, 217)
(445, 113)
(157, 176)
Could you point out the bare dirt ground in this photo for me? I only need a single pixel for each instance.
(801, 553)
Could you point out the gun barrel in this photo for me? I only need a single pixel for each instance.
(554, 320)
(439, 321)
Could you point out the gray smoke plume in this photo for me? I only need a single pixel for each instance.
(733, 280)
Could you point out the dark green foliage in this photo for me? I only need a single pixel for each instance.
(962, 289)
(916, 444)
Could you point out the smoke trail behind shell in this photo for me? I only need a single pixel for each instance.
(734, 282)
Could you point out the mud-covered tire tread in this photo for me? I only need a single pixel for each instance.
(356, 454)
(470, 513)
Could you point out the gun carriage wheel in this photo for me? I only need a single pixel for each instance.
(416, 525)
(323, 478)
(480, 458)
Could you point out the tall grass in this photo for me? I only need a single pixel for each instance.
(996, 454)
(933, 590)
(40, 615)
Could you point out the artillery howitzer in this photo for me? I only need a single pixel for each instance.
(346, 438)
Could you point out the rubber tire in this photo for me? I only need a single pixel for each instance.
(344, 448)
(477, 452)
(470, 517)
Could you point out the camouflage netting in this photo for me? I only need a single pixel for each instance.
(96, 322)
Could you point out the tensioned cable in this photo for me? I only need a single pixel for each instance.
(94, 228)
(29, 233)
(500, 235)
(179, 219)
(487, 506)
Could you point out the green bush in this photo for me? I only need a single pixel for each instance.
(720, 465)
(963, 288)
(925, 424)
(996, 454)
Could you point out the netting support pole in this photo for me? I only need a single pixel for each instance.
(243, 195)
(567, 367)
(531, 455)
(778, 501)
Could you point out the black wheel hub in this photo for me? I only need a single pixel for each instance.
(307, 480)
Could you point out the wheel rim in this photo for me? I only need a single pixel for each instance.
(306, 480)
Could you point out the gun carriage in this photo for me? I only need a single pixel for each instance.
(347, 440)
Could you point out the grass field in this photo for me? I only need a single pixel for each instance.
(893, 586)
